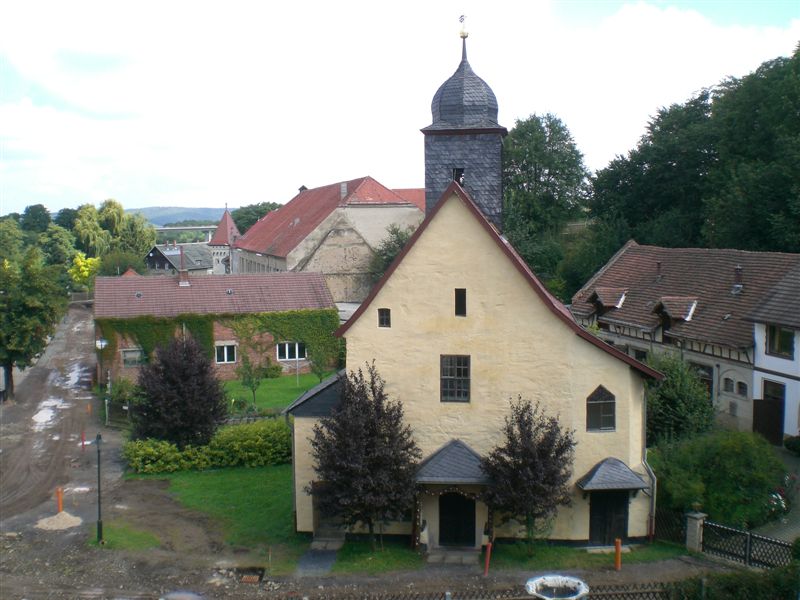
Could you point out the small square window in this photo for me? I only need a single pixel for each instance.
(226, 353)
(291, 351)
(461, 302)
(741, 388)
(640, 355)
(384, 317)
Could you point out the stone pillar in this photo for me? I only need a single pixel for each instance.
(694, 531)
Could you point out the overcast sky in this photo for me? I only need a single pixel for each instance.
(173, 103)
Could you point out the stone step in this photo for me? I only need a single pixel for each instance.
(454, 556)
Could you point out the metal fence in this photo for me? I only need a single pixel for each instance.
(641, 591)
(670, 526)
(742, 546)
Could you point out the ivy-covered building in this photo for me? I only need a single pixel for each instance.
(288, 318)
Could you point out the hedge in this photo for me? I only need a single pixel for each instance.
(262, 443)
(744, 585)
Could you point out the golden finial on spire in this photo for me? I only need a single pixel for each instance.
(464, 35)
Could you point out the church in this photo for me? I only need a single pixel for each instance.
(458, 326)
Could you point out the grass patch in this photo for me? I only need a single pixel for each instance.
(356, 556)
(254, 506)
(515, 556)
(275, 394)
(119, 535)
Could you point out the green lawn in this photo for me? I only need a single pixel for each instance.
(356, 556)
(254, 506)
(515, 556)
(119, 535)
(275, 394)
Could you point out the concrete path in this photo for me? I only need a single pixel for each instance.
(786, 528)
(315, 563)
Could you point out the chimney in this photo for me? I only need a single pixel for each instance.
(183, 274)
(301, 189)
(737, 280)
(659, 276)
(342, 190)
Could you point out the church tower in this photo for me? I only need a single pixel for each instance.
(464, 142)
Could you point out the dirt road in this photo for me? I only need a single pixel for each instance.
(40, 449)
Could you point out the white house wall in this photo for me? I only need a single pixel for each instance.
(781, 370)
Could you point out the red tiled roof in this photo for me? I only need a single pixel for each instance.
(550, 301)
(280, 231)
(675, 278)
(415, 196)
(226, 232)
(128, 297)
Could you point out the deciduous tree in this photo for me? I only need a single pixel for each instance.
(529, 470)
(245, 216)
(365, 456)
(396, 239)
(677, 406)
(31, 302)
(182, 400)
(251, 374)
(36, 218)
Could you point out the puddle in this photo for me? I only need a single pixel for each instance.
(48, 410)
(75, 374)
(77, 490)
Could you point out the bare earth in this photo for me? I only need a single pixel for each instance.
(41, 448)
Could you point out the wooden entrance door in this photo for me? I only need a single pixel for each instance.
(608, 517)
(456, 520)
(768, 413)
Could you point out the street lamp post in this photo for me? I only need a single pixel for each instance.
(98, 440)
(100, 344)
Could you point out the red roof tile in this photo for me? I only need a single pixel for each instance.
(280, 231)
(415, 196)
(226, 232)
(675, 278)
(550, 301)
(161, 296)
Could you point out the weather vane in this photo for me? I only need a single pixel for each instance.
(464, 33)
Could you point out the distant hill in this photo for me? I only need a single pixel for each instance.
(160, 215)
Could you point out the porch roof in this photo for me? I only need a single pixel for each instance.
(611, 474)
(453, 463)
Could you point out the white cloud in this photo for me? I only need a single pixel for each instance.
(200, 103)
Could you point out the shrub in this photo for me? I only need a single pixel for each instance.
(744, 585)
(732, 474)
(263, 443)
(792, 444)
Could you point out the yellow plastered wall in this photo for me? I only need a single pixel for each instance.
(517, 347)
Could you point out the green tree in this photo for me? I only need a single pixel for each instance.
(116, 262)
(396, 239)
(11, 240)
(181, 400)
(58, 246)
(111, 215)
(545, 182)
(365, 456)
(66, 218)
(731, 474)
(678, 406)
(35, 218)
(135, 235)
(245, 216)
(31, 302)
(530, 470)
(251, 374)
(84, 270)
(92, 239)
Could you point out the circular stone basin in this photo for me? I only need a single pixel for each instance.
(562, 587)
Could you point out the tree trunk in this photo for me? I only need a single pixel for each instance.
(9, 380)
(529, 531)
(371, 528)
